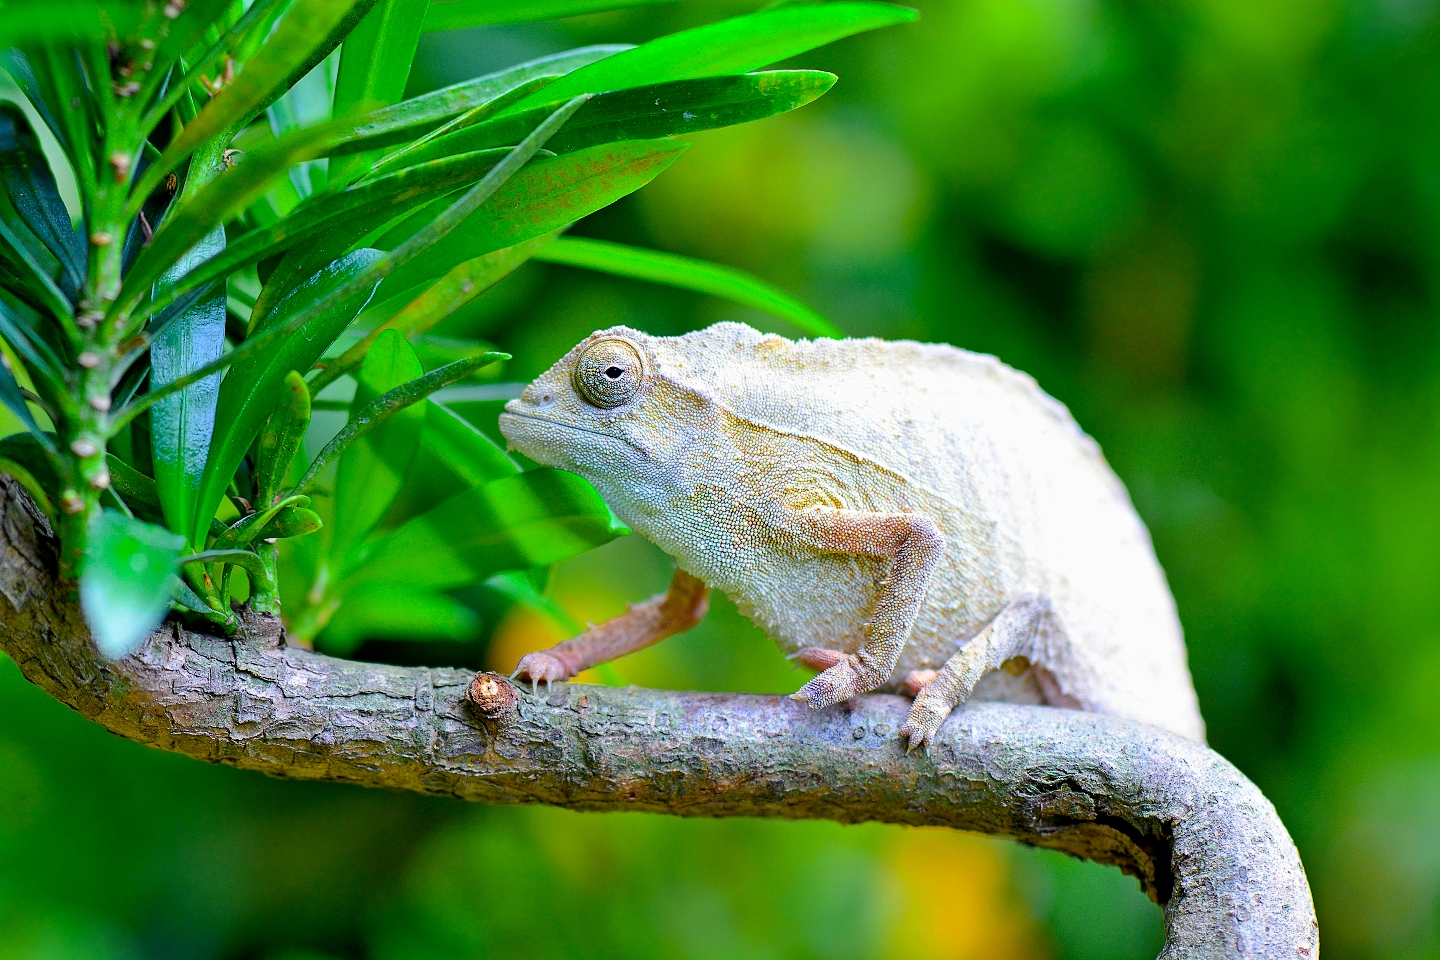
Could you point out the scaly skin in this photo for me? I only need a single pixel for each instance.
(911, 510)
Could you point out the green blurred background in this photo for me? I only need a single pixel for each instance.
(1211, 227)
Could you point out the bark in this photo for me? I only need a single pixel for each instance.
(1202, 839)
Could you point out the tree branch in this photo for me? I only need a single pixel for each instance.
(1200, 837)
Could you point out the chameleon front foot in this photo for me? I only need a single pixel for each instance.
(541, 666)
(837, 683)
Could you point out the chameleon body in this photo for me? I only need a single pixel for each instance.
(896, 514)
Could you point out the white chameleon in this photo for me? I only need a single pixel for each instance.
(897, 515)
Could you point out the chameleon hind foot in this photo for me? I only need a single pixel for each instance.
(1014, 632)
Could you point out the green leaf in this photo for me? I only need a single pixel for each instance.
(32, 190)
(248, 528)
(411, 152)
(375, 462)
(528, 520)
(349, 214)
(657, 110)
(247, 393)
(26, 278)
(450, 293)
(246, 560)
(545, 196)
(188, 31)
(280, 440)
(453, 457)
(391, 614)
(731, 46)
(63, 21)
(32, 456)
(689, 274)
(137, 490)
(291, 521)
(360, 286)
(374, 65)
(455, 14)
(473, 457)
(18, 66)
(32, 346)
(33, 486)
(181, 425)
(127, 578)
(226, 195)
(378, 411)
(14, 401)
(285, 57)
(405, 120)
(239, 41)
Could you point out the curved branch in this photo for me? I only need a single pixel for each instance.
(1200, 837)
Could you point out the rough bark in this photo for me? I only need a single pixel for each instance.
(1200, 837)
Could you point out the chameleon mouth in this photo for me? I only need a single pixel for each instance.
(557, 423)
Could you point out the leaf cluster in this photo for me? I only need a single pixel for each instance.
(263, 216)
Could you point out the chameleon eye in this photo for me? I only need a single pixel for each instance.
(609, 372)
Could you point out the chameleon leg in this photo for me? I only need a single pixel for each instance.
(913, 545)
(1013, 632)
(672, 612)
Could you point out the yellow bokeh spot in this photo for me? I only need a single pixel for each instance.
(959, 902)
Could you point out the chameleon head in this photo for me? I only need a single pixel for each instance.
(606, 412)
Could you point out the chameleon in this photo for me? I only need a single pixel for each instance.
(899, 516)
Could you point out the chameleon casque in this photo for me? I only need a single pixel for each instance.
(897, 515)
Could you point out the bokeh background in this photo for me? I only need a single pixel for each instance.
(1211, 227)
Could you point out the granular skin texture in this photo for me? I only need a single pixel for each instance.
(884, 501)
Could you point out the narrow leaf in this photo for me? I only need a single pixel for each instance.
(546, 196)
(137, 490)
(396, 124)
(374, 65)
(14, 401)
(247, 561)
(32, 190)
(281, 438)
(305, 26)
(529, 520)
(291, 522)
(15, 63)
(731, 46)
(248, 528)
(450, 293)
(181, 425)
(35, 457)
(29, 343)
(689, 274)
(382, 408)
(360, 286)
(474, 457)
(32, 486)
(411, 153)
(352, 212)
(31, 282)
(656, 110)
(126, 581)
(247, 391)
(378, 446)
(456, 14)
(229, 193)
